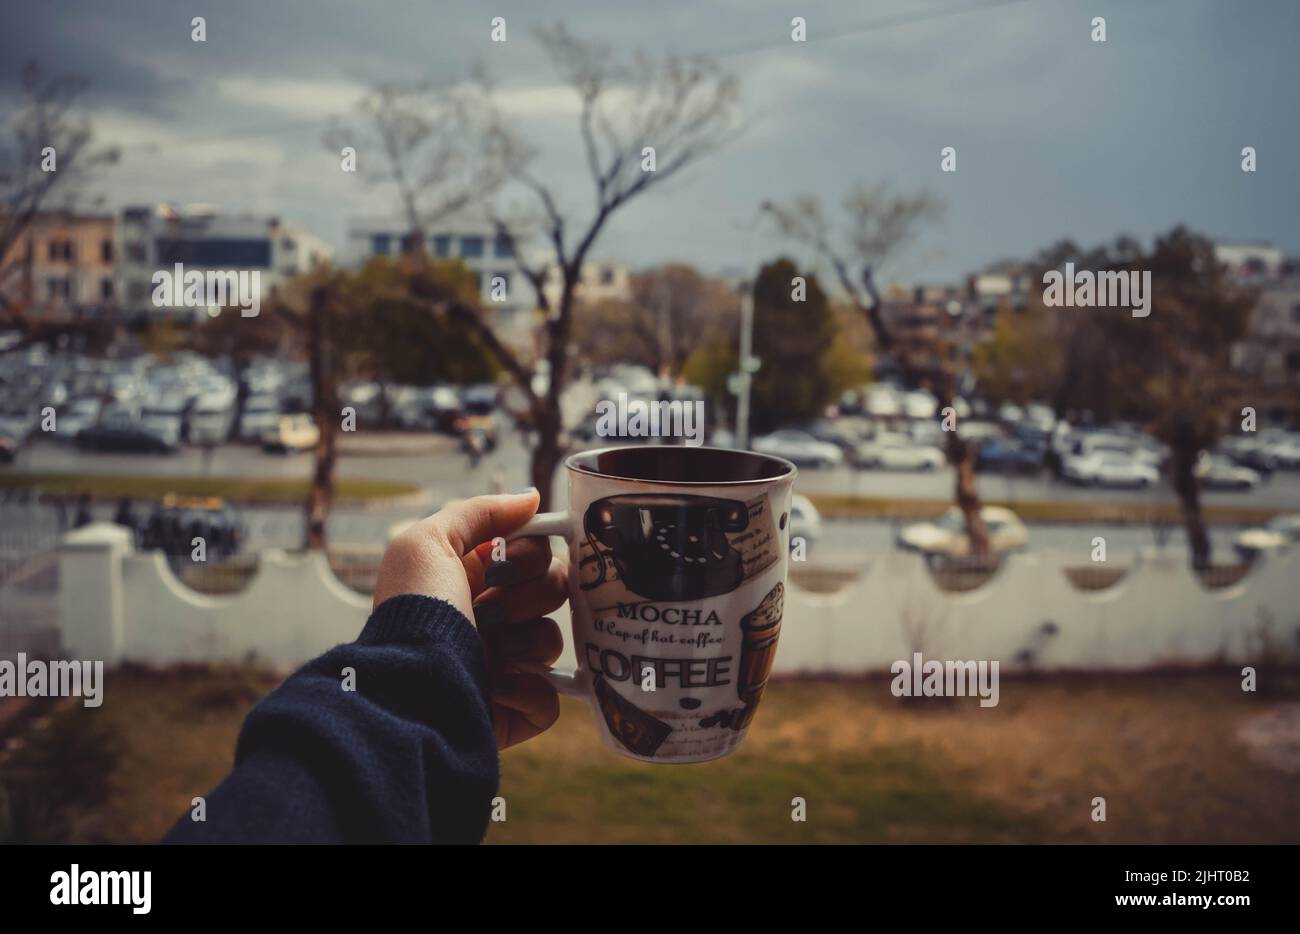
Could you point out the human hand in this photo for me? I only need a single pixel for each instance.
(449, 556)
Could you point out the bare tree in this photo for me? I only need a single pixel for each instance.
(44, 164)
(428, 152)
(876, 227)
(681, 108)
(640, 124)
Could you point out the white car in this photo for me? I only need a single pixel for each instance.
(1109, 469)
(946, 536)
(800, 448)
(1219, 473)
(898, 452)
(1283, 449)
(261, 414)
(164, 418)
(881, 402)
(82, 414)
(920, 404)
(1278, 533)
(805, 521)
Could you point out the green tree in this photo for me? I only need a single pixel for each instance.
(795, 340)
(401, 342)
(1169, 371)
(1022, 361)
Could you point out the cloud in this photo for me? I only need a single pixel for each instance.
(306, 98)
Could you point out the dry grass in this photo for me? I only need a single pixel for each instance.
(1166, 751)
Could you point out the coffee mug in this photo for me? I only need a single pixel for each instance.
(678, 559)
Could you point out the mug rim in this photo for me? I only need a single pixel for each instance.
(570, 463)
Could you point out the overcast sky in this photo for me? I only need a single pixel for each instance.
(1056, 135)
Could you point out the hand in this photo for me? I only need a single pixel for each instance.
(449, 556)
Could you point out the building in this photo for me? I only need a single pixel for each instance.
(1258, 261)
(1270, 354)
(597, 282)
(63, 267)
(201, 238)
(505, 291)
(475, 243)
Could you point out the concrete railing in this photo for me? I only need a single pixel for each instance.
(118, 604)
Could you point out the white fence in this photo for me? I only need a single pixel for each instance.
(118, 604)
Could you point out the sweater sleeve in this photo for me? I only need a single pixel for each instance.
(409, 756)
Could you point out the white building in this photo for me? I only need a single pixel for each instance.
(1250, 260)
(505, 291)
(199, 237)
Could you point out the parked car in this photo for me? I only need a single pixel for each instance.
(261, 414)
(81, 414)
(1278, 533)
(8, 448)
(823, 429)
(800, 448)
(946, 536)
(805, 521)
(1109, 469)
(1002, 455)
(1283, 448)
(125, 436)
(292, 433)
(890, 451)
(1247, 451)
(165, 416)
(178, 520)
(1219, 473)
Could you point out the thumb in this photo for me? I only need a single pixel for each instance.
(472, 521)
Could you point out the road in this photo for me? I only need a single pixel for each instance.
(443, 471)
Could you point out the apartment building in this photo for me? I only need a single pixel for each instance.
(199, 237)
(63, 267)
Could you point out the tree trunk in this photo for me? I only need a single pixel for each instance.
(961, 455)
(1183, 457)
(320, 499)
(546, 456)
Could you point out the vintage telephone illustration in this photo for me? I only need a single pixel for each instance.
(667, 546)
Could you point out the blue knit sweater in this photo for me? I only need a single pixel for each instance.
(408, 757)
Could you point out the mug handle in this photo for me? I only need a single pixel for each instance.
(572, 683)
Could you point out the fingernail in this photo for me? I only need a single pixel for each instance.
(503, 683)
(515, 641)
(488, 615)
(499, 573)
(527, 489)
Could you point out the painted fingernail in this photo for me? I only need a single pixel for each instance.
(515, 641)
(490, 614)
(499, 574)
(503, 683)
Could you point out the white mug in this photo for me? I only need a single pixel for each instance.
(678, 560)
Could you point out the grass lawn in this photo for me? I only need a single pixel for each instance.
(246, 490)
(1114, 513)
(1166, 751)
